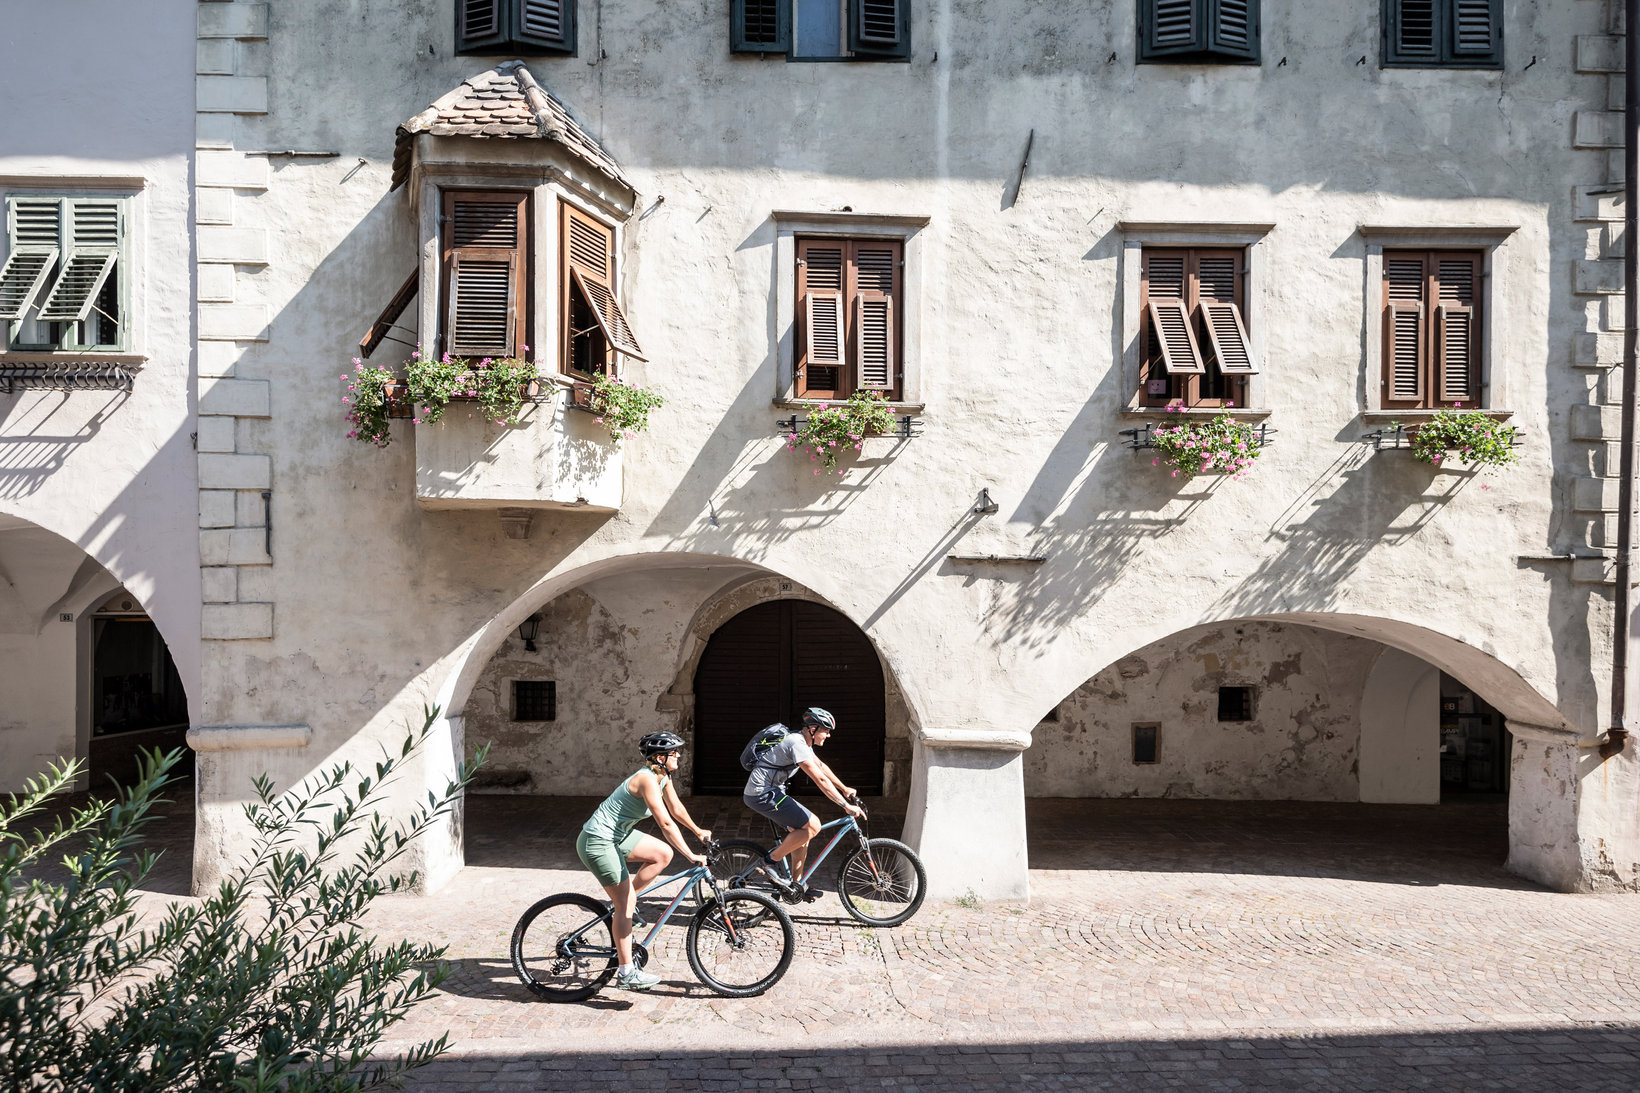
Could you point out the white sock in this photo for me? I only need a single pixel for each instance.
(624, 969)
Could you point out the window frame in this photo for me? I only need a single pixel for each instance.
(1235, 387)
(783, 317)
(1491, 241)
(1446, 55)
(850, 44)
(124, 194)
(1248, 238)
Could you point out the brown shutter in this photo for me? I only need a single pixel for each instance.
(390, 315)
(1171, 321)
(822, 278)
(1229, 335)
(1457, 357)
(588, 251)
(607, 310)
(485, 272)
(1405, 351)
(875, 271)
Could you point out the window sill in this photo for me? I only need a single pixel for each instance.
(70, 356)
(812, 403)
(1375, 416)
(1155, 413)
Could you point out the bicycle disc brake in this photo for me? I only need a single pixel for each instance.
(640, 955)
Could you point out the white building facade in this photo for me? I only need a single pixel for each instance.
(991, 208)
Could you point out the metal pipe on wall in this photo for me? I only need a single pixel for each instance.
(1617, 733)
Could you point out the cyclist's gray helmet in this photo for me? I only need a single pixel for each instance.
(819, 720)
(659, 743)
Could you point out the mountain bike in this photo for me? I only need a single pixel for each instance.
(739, 941)
(881, 882)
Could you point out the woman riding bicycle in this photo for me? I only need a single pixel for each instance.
(609, 842)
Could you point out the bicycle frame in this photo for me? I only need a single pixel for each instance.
(687, 879)
(844, 825)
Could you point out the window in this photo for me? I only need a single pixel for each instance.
(1235, 703)
(514, 27)
(595, 328)
(848, 317)
(1198, 32)
(1146, 743)
(862, 30)
(485, 275)
(1443, 34)
(535, 700)
(1432, 329)
(1195, 346)
(64, 285)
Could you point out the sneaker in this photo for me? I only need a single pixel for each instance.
(636, 980)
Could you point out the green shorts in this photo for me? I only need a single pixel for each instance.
(606, 859)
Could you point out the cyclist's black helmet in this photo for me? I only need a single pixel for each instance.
(659, 743)
(816, 718)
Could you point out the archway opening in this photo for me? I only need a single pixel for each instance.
(137, 700)
(769, 663)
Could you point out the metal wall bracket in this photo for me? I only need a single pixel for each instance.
(1144, 436)
(904, 427)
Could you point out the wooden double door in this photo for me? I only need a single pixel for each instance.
(771, 662)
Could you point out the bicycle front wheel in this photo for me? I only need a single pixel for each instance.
(882, 883)
(731, 863)
(554, 967)
(742, 946)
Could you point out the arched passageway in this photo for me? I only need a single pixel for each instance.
(771, 662)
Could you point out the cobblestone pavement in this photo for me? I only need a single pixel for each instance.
(1166, 945)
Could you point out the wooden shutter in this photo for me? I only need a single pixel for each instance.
(879, 28)
(760, 26)
(588, 250)
(547, 26)
(480, 25)
(1235, 29)
(1457, 332)
(93, 249)
(1170, 333)
(1406, 353)
(875, 272)
(607, 310)
(1219, 294)
(34, 237)
(1476, 30)
(822, 266)
(390, 314)
(1411, 31)
(486, 272)
(1168, 27)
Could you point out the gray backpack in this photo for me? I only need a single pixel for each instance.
(751, 756)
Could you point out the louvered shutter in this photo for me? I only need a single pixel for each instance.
(822, 294)
(589, 268)
(1219, 292)
(607, 310)
(485, 272)
(547, 26)
(34, 237)
(1405, 350)
(1235, 29)
(93, 240)
(1476, 30)
(879, 28)
(1457, 356)
(875, 271)
(760, 26)
(1411, 31)
(480, 25)
(390, 314)
(1168, 27)
(1171, 334)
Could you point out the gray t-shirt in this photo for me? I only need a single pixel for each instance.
(768, 779)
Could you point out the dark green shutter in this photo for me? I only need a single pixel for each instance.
(1171, 27)
(1476, 33)
(880, 28)
(523, 27)
(1234, 29)
(1442, 34)
(760, 26)
(1198, 31)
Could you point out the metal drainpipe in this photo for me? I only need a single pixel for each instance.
(1618, 733)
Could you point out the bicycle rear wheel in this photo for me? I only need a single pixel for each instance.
(742, 946)
(553, 968)
(882, 883)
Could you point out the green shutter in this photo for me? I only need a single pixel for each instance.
(1442, 34)
(760, 26)
(480, 26)
(880, 28)
(522, 27)
(93, 251)
(1198, 31)
(545, 26)
(34, 237)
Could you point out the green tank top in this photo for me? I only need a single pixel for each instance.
(619, 813)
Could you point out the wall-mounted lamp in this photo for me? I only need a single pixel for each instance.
(527, 630)
(985, 506)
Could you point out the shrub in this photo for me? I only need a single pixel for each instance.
(267, 984)
(833, 429)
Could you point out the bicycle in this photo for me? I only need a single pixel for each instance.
(739, 942)
(881, 883)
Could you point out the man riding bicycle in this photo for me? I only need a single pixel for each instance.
(773, 757)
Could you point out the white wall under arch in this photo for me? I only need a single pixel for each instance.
(1400, 731)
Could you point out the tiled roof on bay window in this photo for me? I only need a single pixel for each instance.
(504, 103)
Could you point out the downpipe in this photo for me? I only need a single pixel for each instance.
(1617, 734)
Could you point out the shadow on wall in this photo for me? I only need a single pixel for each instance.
(30, 455)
